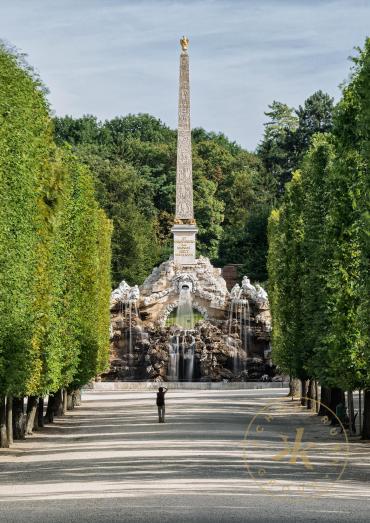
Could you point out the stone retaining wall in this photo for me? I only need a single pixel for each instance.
(150, 385)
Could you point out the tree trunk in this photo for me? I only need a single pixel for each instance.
(70, 400)
(324, 401)
(351, 413)
(36, 418)
(303, 392)
(3, 433)
(9, 419)
(336, 397)
(49, 416)
(309, 393)
(31, 413)
(360, 411)
(77, 397)
(58, 403)
(19, 422)
(366, 418)
(65, 395)
(316, 394)
(293, 387)
(40, 412)
(55, 406)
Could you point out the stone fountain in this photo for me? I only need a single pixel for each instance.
(183, 323)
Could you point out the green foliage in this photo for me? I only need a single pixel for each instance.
(86, 266)
(316, 249)
(77, 343)
(288, 135)
(54, 249)
(60, 347)
(285, 265)
(276, 264)
(25, 142)
(135, 249)
(209, 213)
(347, 350)
(319, 247)
(315, 116)
(277, 150)
(133, 160)
(346, 340)
(104, 287)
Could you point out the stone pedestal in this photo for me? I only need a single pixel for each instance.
(184, 243)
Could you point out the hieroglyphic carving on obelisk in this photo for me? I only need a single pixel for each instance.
(184, 177)
(184, 229)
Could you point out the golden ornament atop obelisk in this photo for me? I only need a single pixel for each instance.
(184, 43)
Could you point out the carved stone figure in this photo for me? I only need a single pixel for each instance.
(121, 293)
(124, 293)
(248, 288)
(134, 293)
(261, 293)
(235, 292)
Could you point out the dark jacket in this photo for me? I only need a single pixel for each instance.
(160, 399)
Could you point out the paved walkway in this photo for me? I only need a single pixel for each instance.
(110, 461)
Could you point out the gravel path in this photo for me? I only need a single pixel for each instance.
(218, 458)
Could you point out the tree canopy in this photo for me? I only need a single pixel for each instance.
(288, 135)
(54, 249)
(133, 159)
(319, 254)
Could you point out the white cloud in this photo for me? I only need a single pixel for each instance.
(109, 57)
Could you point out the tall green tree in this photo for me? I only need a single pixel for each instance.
(285, 265)
(276, 149)
(25, 150)
(104, 285)
(330, 267)
(277, 270)
(54, 271)
(315, 116)
(288, 135)
(347, 350)
(316, 249)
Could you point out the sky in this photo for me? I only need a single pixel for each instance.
(114, 57)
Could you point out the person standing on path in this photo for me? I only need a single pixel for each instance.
(161, 404)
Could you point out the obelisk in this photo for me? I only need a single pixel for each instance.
(184, 229)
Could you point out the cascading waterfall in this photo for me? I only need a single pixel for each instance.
(240, 323)
(184, 316)
(174, 360)
(182, 347)
(181, 356)
(231, 312)
(128, 310)
(130, 327)
(177, 347)
(248, 329)
(188, 356)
